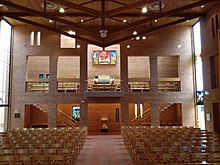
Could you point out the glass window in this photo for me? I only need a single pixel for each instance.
(5, 42)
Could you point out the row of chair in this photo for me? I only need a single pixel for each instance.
(170, 144)
(38, 146)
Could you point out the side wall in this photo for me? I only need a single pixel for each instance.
(210, 47)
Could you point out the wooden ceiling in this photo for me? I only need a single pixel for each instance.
(88, 17)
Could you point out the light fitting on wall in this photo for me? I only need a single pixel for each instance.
(103, 33)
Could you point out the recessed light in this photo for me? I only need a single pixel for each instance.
(138, 38)
(202, 6)
(1, 5)
(155, 20)
(78, 46)
(81, 20)
(61, 10)
(72, 32)
(135, 33)
(124, 20)
(49, 5)
(187, 21)
(144, 10)
(156, 5)
(50, 21)
(179, 46)
(128, 46)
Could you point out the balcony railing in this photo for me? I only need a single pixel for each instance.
(169, 85)
(139, 84)
(37, 87)
(68, 87)
(103, 86)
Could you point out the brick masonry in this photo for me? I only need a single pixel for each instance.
(156, 45)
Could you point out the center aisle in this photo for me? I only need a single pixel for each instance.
(104, 150)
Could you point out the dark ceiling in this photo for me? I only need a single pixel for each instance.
(93, 19)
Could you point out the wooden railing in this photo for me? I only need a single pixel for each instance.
(145, 119)
(103, 86)
(66, 119)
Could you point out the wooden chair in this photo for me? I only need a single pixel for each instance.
(40, 160)
(57, 160)
(7, 152)
(23, 160)
(7, 160)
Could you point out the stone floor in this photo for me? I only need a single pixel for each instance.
(104, 150)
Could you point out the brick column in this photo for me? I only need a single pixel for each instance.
(53, 74)
(155, 115)
(124, 88)
(153, 75)
(124, 113)
(84, 114)
(52, 115)
(83, 77)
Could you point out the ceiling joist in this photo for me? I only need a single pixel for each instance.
(87, 21)
(162, 15)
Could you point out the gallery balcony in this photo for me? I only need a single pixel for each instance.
(103, 86)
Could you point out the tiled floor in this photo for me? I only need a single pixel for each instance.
(104, 150)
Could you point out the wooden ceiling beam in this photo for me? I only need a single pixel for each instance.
(72, 5)
(147, 31)
(47, 16)
(123, 15)
(165, 14)
(92, 41)
(118, 10)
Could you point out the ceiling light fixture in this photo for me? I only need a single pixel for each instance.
(124, 20)
(155, 20)
(49, 5)
(156, 5)
(81, 20)
(202, 6)
(144, 10)
(128, 46)
(103, 33)
(135, 33)
(72, 32)
(1, 5)
(78, 46)
(61, 10)
(144, 38)
(50, 21)
(138, 38)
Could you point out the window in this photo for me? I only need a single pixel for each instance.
(214, 25)
(32, 38)
(38, 38)
(136, 111)
(5, 40)
(213, 72)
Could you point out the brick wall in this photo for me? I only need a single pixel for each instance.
(163, 43)
(210, 47)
